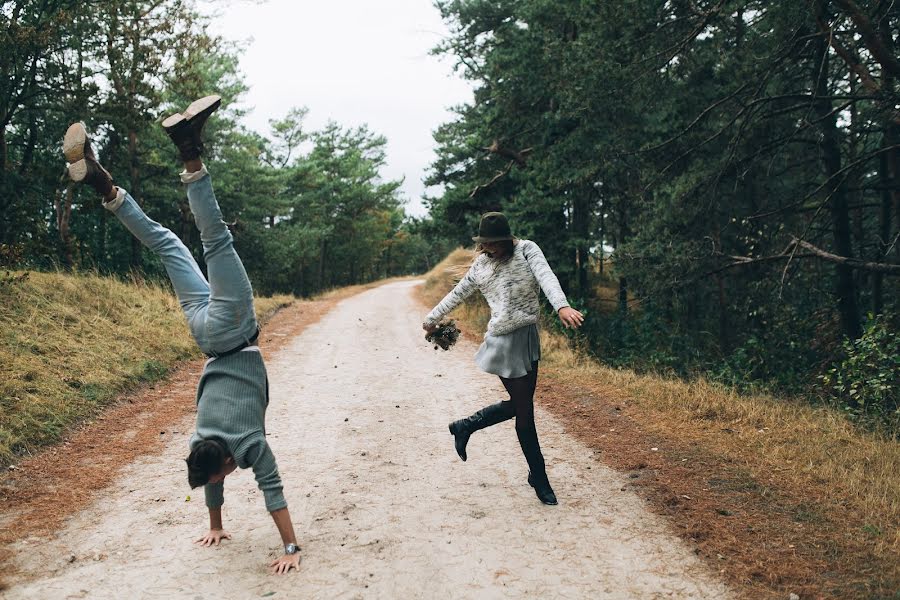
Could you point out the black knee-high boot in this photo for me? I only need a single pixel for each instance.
(537, 474)
(487, 416)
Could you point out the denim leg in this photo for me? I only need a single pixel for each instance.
(230, 318)
(184, 273)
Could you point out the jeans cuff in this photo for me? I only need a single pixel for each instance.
(114, 204)
(195, 176)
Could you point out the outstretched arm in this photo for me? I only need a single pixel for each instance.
(216, 533)
(215, 497)
(546, 278)
(466, 286)
(259, 455)
(285, 563)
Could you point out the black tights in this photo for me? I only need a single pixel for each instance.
(521, 406)
(521, 395)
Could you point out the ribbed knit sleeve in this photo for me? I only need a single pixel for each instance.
(462, 290)
(215, 494)
(544, 275)
(256, 453)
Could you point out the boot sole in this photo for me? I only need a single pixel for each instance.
(204, 105)
(74, 141)
(78, 170)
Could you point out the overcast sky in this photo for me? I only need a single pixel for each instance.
(352, 61)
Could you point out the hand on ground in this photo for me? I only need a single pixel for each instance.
(285, 563)
(213, 537)
(570, 317)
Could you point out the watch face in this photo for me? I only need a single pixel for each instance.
(291, 549)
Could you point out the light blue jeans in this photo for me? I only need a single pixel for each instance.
(219, 312)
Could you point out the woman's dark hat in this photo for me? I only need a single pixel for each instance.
(493, 228)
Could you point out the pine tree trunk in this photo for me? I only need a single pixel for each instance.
(63, 205)
(4, 154)
(135, 191)
(845, 287)
(322, 250)
(602, 234)
(581, 228)
(28, 152)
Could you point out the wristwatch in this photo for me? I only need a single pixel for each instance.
(291, 549)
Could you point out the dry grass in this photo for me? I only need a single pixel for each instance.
(71, 343)
(813, 503)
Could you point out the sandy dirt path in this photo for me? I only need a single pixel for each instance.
(382, 506)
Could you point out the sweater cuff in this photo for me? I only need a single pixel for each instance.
(274, 500)
(215, 494)
(560, 304)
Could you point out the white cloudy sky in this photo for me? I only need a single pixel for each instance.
(352, 61)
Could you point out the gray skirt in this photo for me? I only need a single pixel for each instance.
(510, 355)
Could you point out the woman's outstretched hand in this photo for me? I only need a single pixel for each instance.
(570, 317)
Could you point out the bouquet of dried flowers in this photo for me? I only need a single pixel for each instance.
(444, 336)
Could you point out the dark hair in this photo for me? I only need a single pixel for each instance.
(507, 245)
(207, 458)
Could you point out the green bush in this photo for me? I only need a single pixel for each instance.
(867, 381)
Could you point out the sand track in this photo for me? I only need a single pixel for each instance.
(382, 506)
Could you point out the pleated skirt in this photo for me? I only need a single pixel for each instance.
(510, 355)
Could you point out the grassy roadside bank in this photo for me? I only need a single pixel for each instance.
(62, 479)
(71, 343)
(778, 496)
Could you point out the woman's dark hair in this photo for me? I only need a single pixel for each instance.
(507, 246)
(207, 458)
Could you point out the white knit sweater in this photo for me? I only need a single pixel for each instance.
(510, 288)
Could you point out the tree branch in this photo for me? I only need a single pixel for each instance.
(517, 156)
(849, 57)
(500, 175)
(888, 61)
(853, 263)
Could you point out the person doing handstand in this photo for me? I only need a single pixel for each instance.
(233, 391)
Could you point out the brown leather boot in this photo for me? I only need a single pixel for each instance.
(83, 166)
(184, 128)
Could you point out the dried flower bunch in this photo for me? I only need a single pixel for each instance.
(444, 336)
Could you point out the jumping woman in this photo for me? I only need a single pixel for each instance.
(233, 391)
(508, 273)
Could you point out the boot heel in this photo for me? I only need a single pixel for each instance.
(78, 170)
(172, 122)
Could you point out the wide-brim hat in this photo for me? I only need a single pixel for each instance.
(493, 228)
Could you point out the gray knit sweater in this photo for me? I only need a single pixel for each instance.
(510, 288)
(232, 397)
